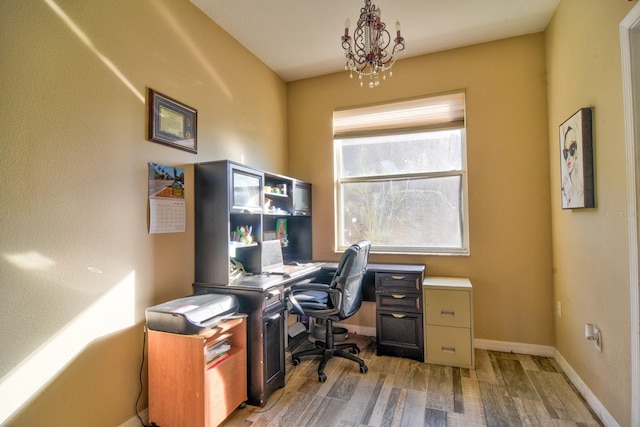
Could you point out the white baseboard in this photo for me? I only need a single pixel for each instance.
(515, 347)
(548, 351)
(591, 399)
(135, 422)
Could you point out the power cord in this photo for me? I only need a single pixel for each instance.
(144, 344)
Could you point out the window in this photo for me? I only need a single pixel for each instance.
(401, 176)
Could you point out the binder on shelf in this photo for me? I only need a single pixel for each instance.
(217, 361)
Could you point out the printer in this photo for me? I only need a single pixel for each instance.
(192, 314)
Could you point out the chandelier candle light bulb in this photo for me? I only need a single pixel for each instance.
(366, 53)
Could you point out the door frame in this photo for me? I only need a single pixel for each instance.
(630, 38)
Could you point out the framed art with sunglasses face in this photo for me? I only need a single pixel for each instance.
(576, 160)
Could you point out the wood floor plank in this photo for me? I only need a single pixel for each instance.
(414, 409)
(473, 407)
(544, 364)
(499, 410)
(494, 365)
(322, 412)
(372, 398)
(462, 420)
(418, 374)
(395, 406)
(516, 380)
(380, 407)
(546, 393)
(435, 418)
(484, 370)
(386, 364)
(532, 412)
(410, 374)
(363, 397)
(440, 388)
(295, 407)
(343, 387)
(458, 396)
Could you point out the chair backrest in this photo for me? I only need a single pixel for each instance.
(349, 275)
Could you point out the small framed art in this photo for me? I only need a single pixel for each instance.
(576, 160)
(172, 123)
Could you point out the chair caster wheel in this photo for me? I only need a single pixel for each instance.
(364, 369)
(322, 378)
(295, 361)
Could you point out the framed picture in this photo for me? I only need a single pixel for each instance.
(172, 123)
(576, 160)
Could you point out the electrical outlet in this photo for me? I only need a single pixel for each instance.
(559, 308)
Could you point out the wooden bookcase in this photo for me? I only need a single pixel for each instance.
(185, 390)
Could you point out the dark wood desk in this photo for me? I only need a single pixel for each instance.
(262, 297)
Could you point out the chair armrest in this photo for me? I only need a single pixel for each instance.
(301, 287)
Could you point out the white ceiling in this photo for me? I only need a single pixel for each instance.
(301, 38)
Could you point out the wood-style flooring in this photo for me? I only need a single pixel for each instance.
(504, 389)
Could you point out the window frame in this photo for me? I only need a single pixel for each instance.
(462, 173)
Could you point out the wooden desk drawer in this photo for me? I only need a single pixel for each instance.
(406, 282)
(406, 302)
(448, 346)
(447, 308)
(400, 334)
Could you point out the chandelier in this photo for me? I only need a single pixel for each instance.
(366, 52)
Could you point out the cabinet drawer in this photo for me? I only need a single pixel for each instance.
(447, 308)
(410, 302)
(400, 334)
(230, 371)
(449, 346)
(399, 281)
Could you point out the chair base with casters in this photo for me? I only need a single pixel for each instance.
(329, 349)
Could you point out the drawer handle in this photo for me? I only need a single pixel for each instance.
(398, 296)
(398, 316)
(448, 350)
(447, 313)
(397, 277)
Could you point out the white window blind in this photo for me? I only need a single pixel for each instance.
(430, 113)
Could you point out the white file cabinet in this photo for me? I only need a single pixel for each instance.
(448, 321)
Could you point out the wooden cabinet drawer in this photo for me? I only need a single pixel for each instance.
(406, 282)
(409, 302)
(448, 346)
(447, 308)
(400, 334)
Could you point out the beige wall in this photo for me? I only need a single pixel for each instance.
(508, 163)
(590, 247)
(73, 162)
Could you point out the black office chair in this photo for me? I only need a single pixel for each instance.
(338, 300)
